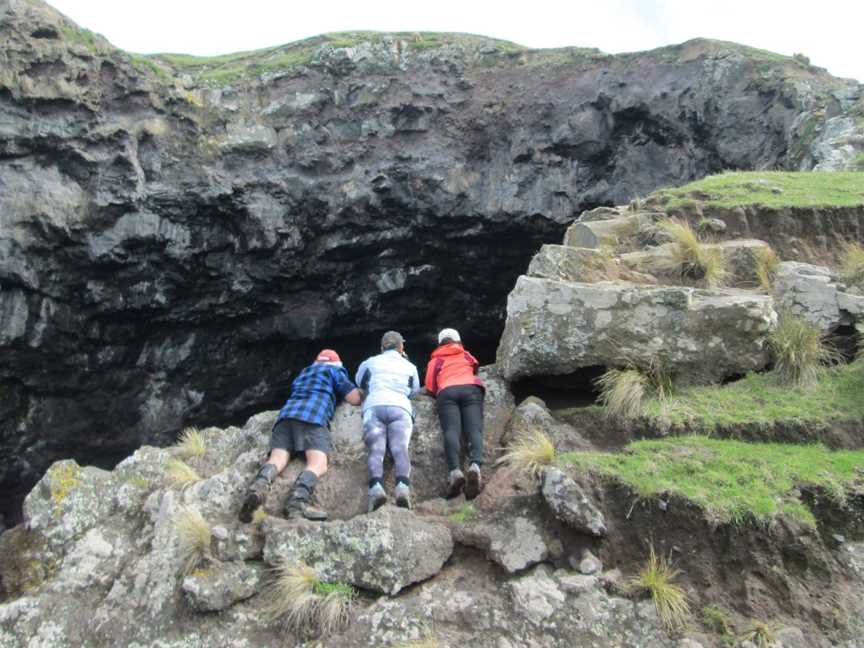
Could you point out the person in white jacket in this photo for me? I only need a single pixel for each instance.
(388, 381)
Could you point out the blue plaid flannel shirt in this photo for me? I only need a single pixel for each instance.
(315, 392)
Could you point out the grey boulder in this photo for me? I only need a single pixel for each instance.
(572, 504)
(385, 551)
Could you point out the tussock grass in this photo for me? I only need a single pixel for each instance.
(760, 633)
(852, 264)
(718, 620)
(191, 444)
(194, 537)
(692, 258)
(298, 598)
(530, 454)
(623, 392)
(733, 482)
(766, 267)
(656, 578)
(179, 473)
(259, 516)
(800, 352)
(626, 392)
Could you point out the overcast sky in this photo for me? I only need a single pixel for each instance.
(828, 31)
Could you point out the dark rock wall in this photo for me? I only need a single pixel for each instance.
(171, 253)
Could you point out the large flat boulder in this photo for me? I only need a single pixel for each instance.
(384, 551)
(703, 336)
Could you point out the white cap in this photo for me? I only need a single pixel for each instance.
(451, 334)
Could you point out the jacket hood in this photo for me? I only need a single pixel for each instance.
(451, 348)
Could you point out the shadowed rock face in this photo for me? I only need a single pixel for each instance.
(170, 253)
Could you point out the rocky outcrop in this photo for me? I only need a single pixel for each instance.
(176, 238)
(814, 293)
(556, 327)
(572, 503)
(385, 551)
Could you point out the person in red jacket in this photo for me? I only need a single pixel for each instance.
(451, 376)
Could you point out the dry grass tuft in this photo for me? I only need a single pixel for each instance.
(623, 392)
(191, 444)
(761, 634)
(766, 267)
(852, 270)
(305, 604)
(179, 473)
(194, 537)
(799, 350)
(425, 642)
(259, 516)
(530, 454)
(657, 578)
(692, 258)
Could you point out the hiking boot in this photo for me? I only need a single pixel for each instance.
(455, 482)
(474, 483)
(251, 504)
(296, 509)
(257, 492)
(403, 495)
(377, 497)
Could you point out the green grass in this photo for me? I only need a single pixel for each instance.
(78, 36)
(771, 189)
(858, 162)
(731, 481)
(759, 398)
(463, 515)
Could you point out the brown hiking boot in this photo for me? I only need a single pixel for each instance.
(474, 482)
(296, 509)
(455, 482)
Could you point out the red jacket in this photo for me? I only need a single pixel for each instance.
(451, 365)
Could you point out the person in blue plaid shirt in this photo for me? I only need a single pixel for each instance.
(303, 429)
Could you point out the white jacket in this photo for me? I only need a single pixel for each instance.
(388, 379)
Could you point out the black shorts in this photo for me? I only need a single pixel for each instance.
(298, 436)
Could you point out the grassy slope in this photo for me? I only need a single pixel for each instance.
(759, 398)
(731, 481)
(771, 189)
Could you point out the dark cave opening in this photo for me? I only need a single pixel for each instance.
(577, 389)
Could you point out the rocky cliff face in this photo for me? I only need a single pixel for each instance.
(176, 235)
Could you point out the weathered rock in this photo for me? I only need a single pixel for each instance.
(512, 535)
(572, 504)
(384, 551)
(536, 596)
(739, 255)
(590, 564)
(606, 233)
(557, 328)
(532, 415)
(814, 293)
(222, 586)
(564, 263)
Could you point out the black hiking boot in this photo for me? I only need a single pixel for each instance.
(296, 509)
(251, 504)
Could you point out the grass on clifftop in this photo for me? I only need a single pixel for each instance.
(759, 398)
(732, 481)
(771, 189)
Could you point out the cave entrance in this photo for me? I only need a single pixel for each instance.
(577, 389)
(844, 339)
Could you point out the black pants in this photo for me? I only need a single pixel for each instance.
(460, 409)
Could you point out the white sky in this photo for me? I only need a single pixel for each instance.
(830, 32)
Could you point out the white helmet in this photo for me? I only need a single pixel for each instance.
(449, 334)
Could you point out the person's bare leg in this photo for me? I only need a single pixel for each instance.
(316, 461)
(279, 458)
